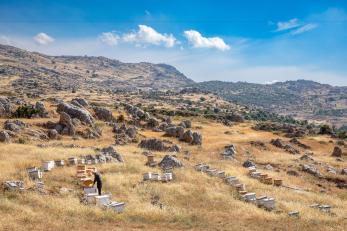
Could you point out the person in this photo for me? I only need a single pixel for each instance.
(97, 180)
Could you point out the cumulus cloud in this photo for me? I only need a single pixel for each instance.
(198, 41)
(43, 39)
(282, 26)
(109, 38)
(304, 28)
(147, 35)
(5, 40)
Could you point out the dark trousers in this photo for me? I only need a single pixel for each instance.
(99, 186)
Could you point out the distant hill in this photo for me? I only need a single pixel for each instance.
(302, 98)
(39, 72)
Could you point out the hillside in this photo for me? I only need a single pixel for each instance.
(40, 73)
(302, 98)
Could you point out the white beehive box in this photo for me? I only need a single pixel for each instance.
(73, 161)
(35, 174)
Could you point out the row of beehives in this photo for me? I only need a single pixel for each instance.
(265, 202)
(263, 177)
(165, 177)
(91, 195)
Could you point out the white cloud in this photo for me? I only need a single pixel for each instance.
(293, 23)
(109, 38)
(304, 28)
(147, 35)
(198, 41)
(43, 39)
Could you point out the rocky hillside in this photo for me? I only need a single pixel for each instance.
(301, 98)
(36, 73)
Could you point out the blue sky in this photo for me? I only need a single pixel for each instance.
(254, 41)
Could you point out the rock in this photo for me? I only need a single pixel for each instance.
(248, 164)
(229, 152)
(306, 157)
(268, 167)
(53, 134)
(187, 137)
(344, 171)
(186, 124)
(4, 137)
(67, 126)
(175, 131)
(80, 102)
(297, 142)
(75, 112)
(235, 117)
(131, 132)
(103, 114)
(312, 170)
(40, 107)
(291, 149)
(11, 127)
(278, 143)
(175, 148)
(197, 138)
(340, 142)
(6, 107)
(337, 152)
(331, 170)
(170, 161)
(153, 144)
(111, 151)
(153, 122)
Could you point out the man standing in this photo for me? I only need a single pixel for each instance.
(97, 180)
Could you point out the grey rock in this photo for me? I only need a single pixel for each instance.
(170, 161)
(75, 112)
(175, 148)
(337, 152)
(103, 114)
(153, 144)
(53, 134)
(80, 102)
(248, 163)
(4, 137)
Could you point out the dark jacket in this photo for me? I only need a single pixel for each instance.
(97, 179)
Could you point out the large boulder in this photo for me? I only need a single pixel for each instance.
(170, 162)
(153, 144)
(67, 126)
(175, 131)
(75, 112)
(186, 124)
(187, 137)
(111, 151)
(103, 114)
(337, 152)
(153, 122)
(4, 137)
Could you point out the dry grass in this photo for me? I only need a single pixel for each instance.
(194, 201)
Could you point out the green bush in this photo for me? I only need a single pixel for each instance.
(26, 111)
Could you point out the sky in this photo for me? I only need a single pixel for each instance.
(255, 41)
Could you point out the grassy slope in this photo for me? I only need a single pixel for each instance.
(193, 201)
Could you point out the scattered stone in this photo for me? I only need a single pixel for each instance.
(154, 145)
(331, 170)
(344, 171)
(337, 152)
(278, 143)
(13, 185)
(80, 102)
(175, 131)
(175, 148)
(111, 151)
(293, 214)
(297, 142)
(186, 124)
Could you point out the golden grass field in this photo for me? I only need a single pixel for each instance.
(193, 201)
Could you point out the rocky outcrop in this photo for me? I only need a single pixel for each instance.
(103, 114)
(229, 152)
(124, 134)
(170, 161)
(154, 145)
(14, 125)
(186, 124)
(75, 112)
(4, 137)
(311, 170)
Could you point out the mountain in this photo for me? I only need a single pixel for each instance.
(302, 98)
(38, 72)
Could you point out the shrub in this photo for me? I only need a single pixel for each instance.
(26, 111)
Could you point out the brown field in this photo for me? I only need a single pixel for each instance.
(193, 201)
